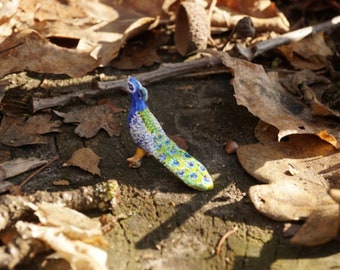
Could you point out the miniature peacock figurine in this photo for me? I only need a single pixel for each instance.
(151, 139)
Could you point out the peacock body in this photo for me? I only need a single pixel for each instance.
(150, 138)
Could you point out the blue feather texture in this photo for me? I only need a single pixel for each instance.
(149, 136)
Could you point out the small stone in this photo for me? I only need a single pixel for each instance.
(231, 147)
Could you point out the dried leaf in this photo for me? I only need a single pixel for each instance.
(92, 119)
(264, 14)
(74, 236)
(28, 50)
(74, 224)
(256, 8)
(311, 87)
(85, 159)
(299, 168)
(309, 53)
(312, 159)
(18, 166)
(17, 130)
(265, 98)
(322, 225)
(89, 34)
(141, 52)
(335, 194)
(287, 200)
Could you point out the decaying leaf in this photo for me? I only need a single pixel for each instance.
(74, 236)
(85, 159)
(74, 224)
(87, 34)
(311, 87)
(298, 173)
(309, 53)
(264, 14)
(322, 225)
(288, 200)
(141, 52)
(28, 50)
(18, 166)
(19, 130)
(267, 99)
(92, 119)
(335, 194)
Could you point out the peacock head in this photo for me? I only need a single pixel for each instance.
(136, 89)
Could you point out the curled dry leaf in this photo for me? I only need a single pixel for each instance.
(28, 50)
(18, 130)
(311, 87)
(74, 224)
(264, 14)
(85, 159)
(309, 53)
(74, 236)
(89, 34)
(267, 99)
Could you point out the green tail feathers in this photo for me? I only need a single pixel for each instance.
(182, 164)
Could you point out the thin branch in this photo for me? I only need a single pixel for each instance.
(264, 46)
(18, 189)
(222, 240)
(165, 71)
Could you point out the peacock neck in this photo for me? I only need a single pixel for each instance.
(137, 105)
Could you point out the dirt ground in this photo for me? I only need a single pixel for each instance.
(168, 225)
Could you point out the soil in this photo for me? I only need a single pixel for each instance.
(167, 224)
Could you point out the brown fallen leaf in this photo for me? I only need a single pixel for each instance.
(85, 159)
(18, 166)
(141, 52)
(288, 200)
(18, 130)
(309, 53)
(264, 14)
(28, 50)
(321, 226)
(265, 98)
(311, 87)
(335, 194)
(92, 119)
(88, 34)
(311, 158)
(299, 172)
(74, 236)
(256, 8)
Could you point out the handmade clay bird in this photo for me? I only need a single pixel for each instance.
(151, 139)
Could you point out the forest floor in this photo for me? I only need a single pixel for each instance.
(167, 225)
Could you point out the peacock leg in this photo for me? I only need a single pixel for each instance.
(134, 161)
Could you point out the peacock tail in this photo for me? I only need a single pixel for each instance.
(149, 135)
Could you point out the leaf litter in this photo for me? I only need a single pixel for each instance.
(91, 119)
(297, 155)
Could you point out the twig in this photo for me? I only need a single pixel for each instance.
(18, 189)
(166, 71)
(163, 72)
(223, 238)
(264, 46)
